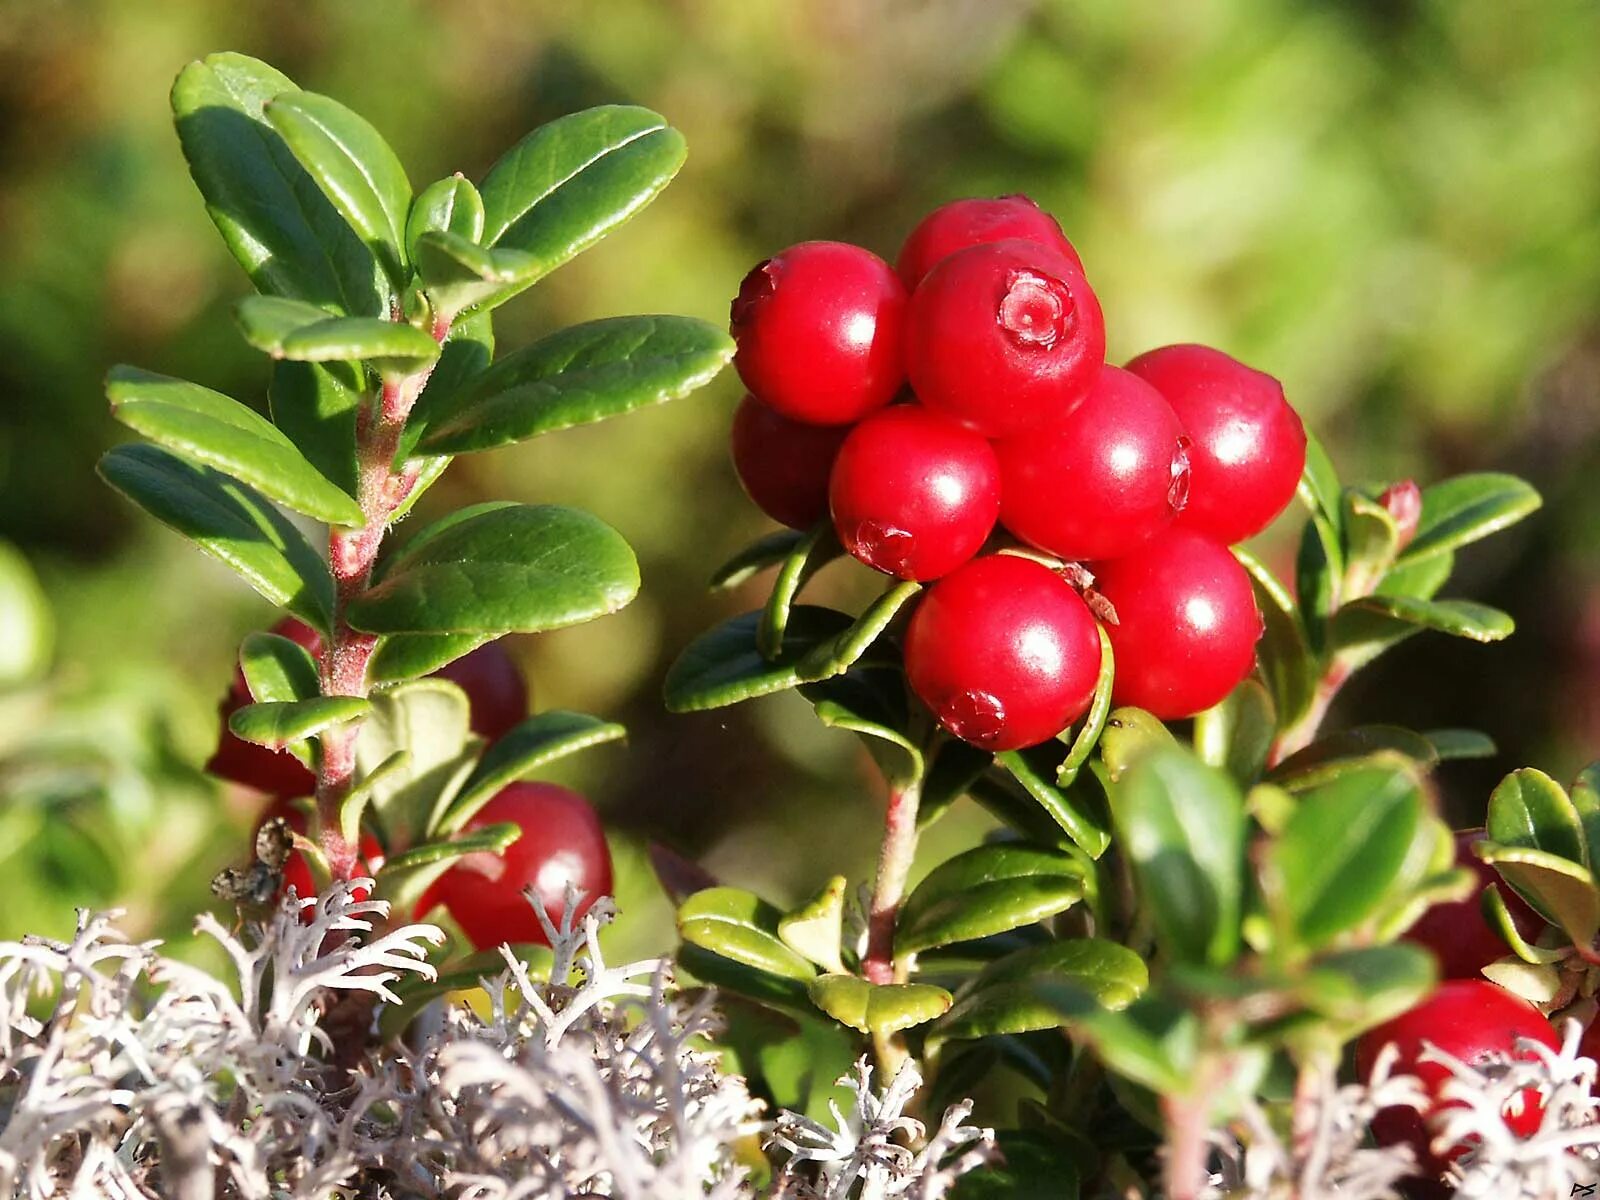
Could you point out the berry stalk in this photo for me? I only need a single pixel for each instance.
(894, 867)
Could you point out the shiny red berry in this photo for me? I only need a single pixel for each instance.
(1004, 337)
(1101, 481)
(784, 464)
(914, 494)
(819, 329)
(1187, 623)
(275, 772)
(977, 221)
(1003, 652)
(1457, 934)
(562, 842)
(1249, 445)
(495, 688)
(1470, 1019)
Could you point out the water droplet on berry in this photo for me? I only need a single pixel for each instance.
(974, 716)
(1178, 489)
(760, 283)
(882, 547)
(1036, 311)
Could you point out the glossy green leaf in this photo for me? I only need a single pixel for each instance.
(1560, 890)
(782, 992)
(1530, 809)
(1318, 569)
(1365, 627)
(1421, 579)
(1154, 1041)
(287, 329)
(1492, 903)
(1365, 987)
(723, 666)
(1079, 809)
(873, 705)
(356, 169)
(1094, 721)
(217, 431)
(276, 724)
(521, 568)
(428, 719)
(580, 375)
(229, 521)
(766, 551)
(878, 1008)
(450, 205)
(411, 655)
(1319, 488)
(816, 550)
(986, 890)
(1371, 540)
(489, 839)
(1287, 663)
(522, 750)
(460, 275)
(841, 652)
(815, 929)
(953, 768)
(1237, 734)
(1452, 745)
(273, 216)
(741, 926)
(277, 668)
(1462, 510)
(1129, 734)
(316, 405)
(1182, 827)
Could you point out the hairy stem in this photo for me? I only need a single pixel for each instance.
(1186, 1147)
(1299, 735)
(894, 865)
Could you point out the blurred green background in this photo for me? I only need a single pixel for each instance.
(1393, 205)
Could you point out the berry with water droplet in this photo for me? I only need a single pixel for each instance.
(1104, 479)
(914, 494)
(562, 842)
(1187, 623)
(496, 691)
(819, 329)
(784, 464)
(1004, 337)
(978, 221)
(1249, 445)
(1003, 652)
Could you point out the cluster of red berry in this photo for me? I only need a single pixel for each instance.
(967, 388)
(562, 839)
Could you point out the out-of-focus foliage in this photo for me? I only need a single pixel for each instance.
(1394, 205)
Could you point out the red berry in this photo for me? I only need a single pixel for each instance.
(975, 222)
(819, 328)
(914, 494)
(1457, 934)
(495, 689)
(1004, 337)
(1470, 1019)
(1103, 480)
(784, 464)
(562, 842)
(1187, 623)
(275, 772)
(1004, 652)
(297, 871)
(1249, 445)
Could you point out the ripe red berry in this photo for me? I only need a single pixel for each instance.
(1187, 623)
(1457, 934)
(819, 329)
(1471, 1020)
(784, 464)
(495, 689)
(1003, 652)
(562, 842)
(1101, 481)
(1249, 445)
(977, 221)
(275, 772)
(914, 494)
(1004, 337)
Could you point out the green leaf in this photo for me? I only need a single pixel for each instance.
(461, 275)
(466, 353)
(1032, 1165)
(411, 655)
(1287, 664)
(878, 1008)
(838, 654)
(1492, 903)
(1585, 797)
(354, 805)
(1329, 758)
(872, 704)
(518, 568)
(953, 768)
(277, 724)
(315, 405)
(731, 977)
(815, 929)
(277, 668)
(1462, 510)
(1452, 745)
(521, 751)
(1530, 809)
(490, 839)
(353, 165)
(1237, 734)
(580, 375)
(1319, 489)
(1009, 804)
(1421, 579)
(1183, 829)
(723, 666)
(988, 890)
(1371, 540)
(740, 926)
(1317, 571)
(217, 431)
(1364, 628)
(766, 551)
(229, 521)
(1560, 890)
(816, 550)
(273, 216)
(1154, 1041)
(429, 720)
(1080, 809)
(570, 182)
(1130, 733)
(1094, 721)
(1365, 987)
(287, 329)
(450, 205)
(1341, 854)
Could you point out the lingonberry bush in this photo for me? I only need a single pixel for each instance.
(1198, 957)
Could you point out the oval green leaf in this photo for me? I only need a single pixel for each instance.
(741, 926)
(1080, 809)
(277, 668)
(878, 1008)
(988, 890)
(449, 205)
(522, 750)
(1462, 510)
(1530, 809)
(276, 724)
(723, 666)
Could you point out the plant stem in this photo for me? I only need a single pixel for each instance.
(1186, 1146)
(1299, 735)
(894, 865)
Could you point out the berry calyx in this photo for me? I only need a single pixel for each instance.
(1249, 445)
(1187, 623)
(1456, 932)
(977, 221)
(1003, 652)
(496, 691)
(1004, 337)
(820, 329)
(274, 772)
(1102, 480)
(1471, 1020)
(914, 494)
(784, 464)
(562, 842)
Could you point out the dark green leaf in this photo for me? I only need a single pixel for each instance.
(1560, 890)
(1237, 734)
(1289, 667)
(1005, 996)
(276, 724)
(1586, 800)
(1318, 568)
(1031, 1166)
(872, 704)
(1364, 628)
(878, 1008)
(452, 205)
(1464, 509)
(1530, 809)
(778, 991)
(1078, 809)
(954, 767)
(1009, 804)
(1455, 744)
(838, 654)
(766, 551)
(739, 925)
(277, 668)
(315, 405)
(1328, 758)
(410, 655)
(461, 275)
(723, 666)
(1094, 721)
(1421, 579)
(1492, 903)
(1153, 1041)
(988, 890)
(1319, 488)
(229, 521)
(287, 329)
(489, 839)
(525, 748)
(813, 552)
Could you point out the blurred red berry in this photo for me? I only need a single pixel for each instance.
(784, 464)
(494, 686)
(977, 221)
(1457, 933)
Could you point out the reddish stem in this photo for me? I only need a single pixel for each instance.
(894, 866)
(1299, 735)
